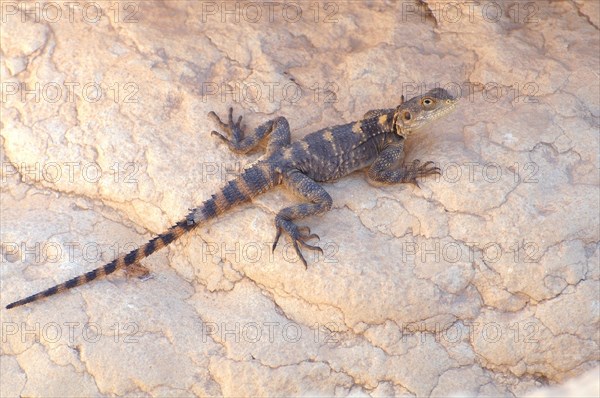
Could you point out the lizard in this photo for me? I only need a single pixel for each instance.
(376, 141)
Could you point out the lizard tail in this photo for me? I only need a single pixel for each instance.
(123, 261)
(249, 184)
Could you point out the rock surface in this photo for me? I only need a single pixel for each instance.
(482, 282)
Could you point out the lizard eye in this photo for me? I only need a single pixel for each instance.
(406, 115)
(427, 101)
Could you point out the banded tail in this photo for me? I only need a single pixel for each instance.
(250, 183)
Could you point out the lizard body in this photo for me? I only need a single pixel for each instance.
(376, 141)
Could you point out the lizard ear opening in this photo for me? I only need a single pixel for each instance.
(402, 122)
(395, 128)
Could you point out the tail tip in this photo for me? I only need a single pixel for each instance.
(19, 303)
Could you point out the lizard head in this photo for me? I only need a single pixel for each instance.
(421, 110)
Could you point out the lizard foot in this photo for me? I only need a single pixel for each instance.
(297, 235)
(417, 170)
(137, 270)
(233, 130)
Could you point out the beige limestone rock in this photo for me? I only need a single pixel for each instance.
(482, 282)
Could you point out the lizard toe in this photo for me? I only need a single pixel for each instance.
(297, 235)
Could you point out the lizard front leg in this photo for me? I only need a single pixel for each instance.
(278, 131)
(388, 167)
(320, 202)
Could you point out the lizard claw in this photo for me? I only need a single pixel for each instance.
(426, 169)
(305, 231)
(231, 123)
(416, 171)
(232, 129)
(298, 235)
(217, 120)
(219, 135)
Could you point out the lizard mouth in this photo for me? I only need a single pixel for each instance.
(451, 105)
(448, 107)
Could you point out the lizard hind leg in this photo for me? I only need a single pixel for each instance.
(278, 131)
(320, 202)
